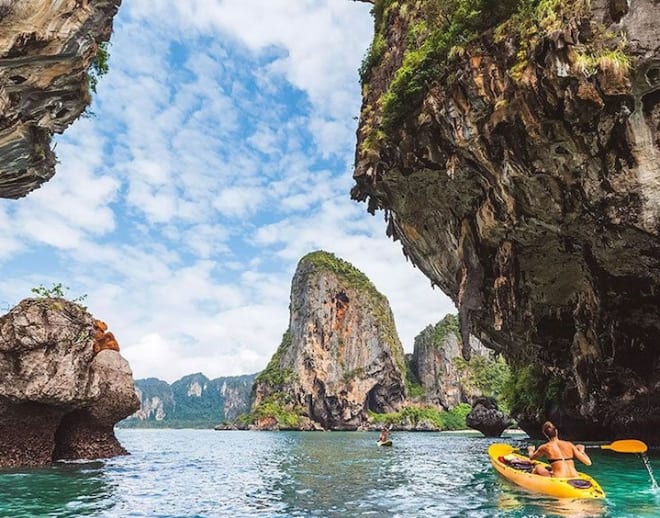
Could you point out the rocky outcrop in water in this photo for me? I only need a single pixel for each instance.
(59, 399)
(514, 149)
(486, 417)
(340, 357)
(194, 400)
(46, 50)
(434, 363)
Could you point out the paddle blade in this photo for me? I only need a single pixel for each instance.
(626, 446)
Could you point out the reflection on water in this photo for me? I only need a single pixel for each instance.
(206, 473)
(512, 500)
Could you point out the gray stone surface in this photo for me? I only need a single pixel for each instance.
(486, 417)
(344, 356)
(57, 398)
(46, 49)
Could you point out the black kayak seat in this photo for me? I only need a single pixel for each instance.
(580, 483)
(521, 465)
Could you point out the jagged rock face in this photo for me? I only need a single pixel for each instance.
(433, 362)
(341, 355)
(486, 417)
(524, 181)
(236, 392)
(58, 399)
(46, 49)
(156, 400)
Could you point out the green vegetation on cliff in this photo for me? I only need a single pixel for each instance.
(445, 24)
(414, 416)
(485, 375)
(193, 401)
(58, 290)
(439, 30)
(100, 66)
(528, 390)
(414, 389)
(277, 406)
(274, 375)
(326, 261)
(379, 306)
(442, 329)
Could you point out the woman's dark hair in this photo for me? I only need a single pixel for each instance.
(549, 430)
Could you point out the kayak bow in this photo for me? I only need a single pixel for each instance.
(516, 468)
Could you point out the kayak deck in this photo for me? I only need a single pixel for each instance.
(518, 469)
(384, 443)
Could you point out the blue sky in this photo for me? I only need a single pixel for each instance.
(221, 152)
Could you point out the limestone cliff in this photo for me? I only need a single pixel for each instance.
(434, 363)
(192, 401)
(46, 50)
(514, 149)
(341, 355)
(60, 392)
(156, 402)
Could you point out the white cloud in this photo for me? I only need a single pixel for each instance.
(218, 157)
(239, 201)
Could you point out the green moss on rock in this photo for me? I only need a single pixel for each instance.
(414, 416)
(274, 375)
(530, 390)
(321, 261)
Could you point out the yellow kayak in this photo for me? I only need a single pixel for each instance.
(517, 469)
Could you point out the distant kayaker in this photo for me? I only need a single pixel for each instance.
(383, 435)
(560, 454)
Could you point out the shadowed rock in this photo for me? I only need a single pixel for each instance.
(488, 418)
(46, 49)
(58, 398)
(519, 166)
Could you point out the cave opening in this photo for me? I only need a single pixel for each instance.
(376, 400)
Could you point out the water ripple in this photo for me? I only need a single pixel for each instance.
(202, 473)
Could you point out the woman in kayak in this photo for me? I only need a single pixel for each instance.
(383, 435)
(560, 454)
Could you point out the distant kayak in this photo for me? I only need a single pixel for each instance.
(517, 469)
(384, 443)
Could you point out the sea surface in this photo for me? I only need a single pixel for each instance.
(280, 474)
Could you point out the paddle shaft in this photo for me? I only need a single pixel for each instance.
(623, 446)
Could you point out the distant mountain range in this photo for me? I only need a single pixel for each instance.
(194, 401)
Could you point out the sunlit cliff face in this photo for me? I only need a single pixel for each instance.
(341, 355)
(518, 165)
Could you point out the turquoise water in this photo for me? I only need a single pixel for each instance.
(207, 473)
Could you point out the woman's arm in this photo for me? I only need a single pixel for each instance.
(535, 454)
(578, 451)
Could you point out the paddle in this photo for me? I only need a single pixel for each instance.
(624, 446)
(621, 446)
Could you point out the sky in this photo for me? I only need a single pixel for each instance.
(220, 151)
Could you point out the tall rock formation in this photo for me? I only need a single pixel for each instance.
(61, 388)
(235, 392)
(514, 147)
(46, 50)
(341, 355)
(434, 363)
(194, 400)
